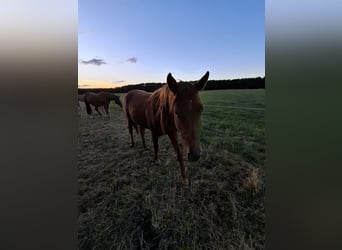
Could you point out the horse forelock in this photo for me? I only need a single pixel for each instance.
(162, 101)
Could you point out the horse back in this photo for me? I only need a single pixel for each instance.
(95, 99)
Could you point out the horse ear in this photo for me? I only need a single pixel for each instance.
(172, 83)
(202, 82)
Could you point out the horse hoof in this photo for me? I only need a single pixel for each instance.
(131, 145)
(157, 162)
(186, 181)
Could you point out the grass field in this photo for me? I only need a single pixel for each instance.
(127, 203)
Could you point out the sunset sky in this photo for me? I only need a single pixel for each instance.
(124, 42)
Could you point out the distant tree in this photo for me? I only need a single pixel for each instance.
(243, 83)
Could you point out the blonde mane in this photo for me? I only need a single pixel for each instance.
(162, 101)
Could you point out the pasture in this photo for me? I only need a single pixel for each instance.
(126, 202)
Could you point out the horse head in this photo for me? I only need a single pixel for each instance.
(118, 102)
(187, 109)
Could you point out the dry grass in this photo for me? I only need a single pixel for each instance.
(127, 203)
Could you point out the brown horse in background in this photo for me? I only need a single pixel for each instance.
(100, 99)
(174, 107)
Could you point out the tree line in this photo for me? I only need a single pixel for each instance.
(243, 83)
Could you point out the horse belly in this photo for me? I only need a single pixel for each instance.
(138, 116)
(136, 106)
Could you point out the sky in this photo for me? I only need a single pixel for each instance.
(124, 42)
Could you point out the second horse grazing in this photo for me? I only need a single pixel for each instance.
(100, 99)
(175, 107)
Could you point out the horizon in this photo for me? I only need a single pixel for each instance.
(121, 45)
(114, 87)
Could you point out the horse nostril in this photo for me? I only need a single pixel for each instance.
(193, 157)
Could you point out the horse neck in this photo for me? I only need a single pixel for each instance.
(161, 102)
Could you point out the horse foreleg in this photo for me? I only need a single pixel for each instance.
(142, 134)
(106, 108)
(97, 109)
(156, 148)
(173, 138)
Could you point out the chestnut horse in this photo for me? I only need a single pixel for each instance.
(100, 99)
(175, 107)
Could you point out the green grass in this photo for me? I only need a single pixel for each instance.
(231, 124)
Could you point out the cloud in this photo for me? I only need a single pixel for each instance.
(83, 85)
(132, 60)
(118, 81)
(94, 61)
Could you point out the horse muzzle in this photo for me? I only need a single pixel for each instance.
(192, 149)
